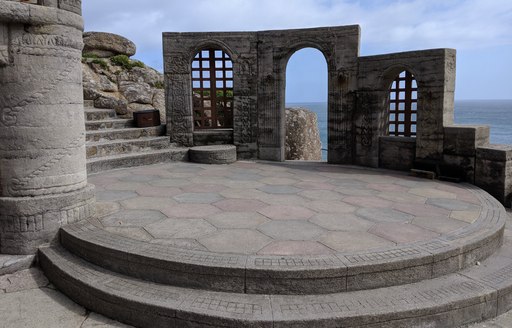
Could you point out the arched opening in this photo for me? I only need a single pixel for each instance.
(306, 87)
(212, 89)
(403, 106)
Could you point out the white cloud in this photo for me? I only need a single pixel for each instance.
(386, 25)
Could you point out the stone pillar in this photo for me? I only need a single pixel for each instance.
(43, 178)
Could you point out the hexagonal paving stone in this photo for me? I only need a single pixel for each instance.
(274, 181)
(173, 182)
(198, 197)
(439, 224)
(147, 203)
(203, 188)
(237, 220)
(349, 241)
(314, 185)
(245, 176)
(402, 233)
(420, 209)
(291, 230)
(240, 205)
(453, 204)
(466, 216)
(383, 215)
(295, 247)
(368, 201)
(128, 218)
(112, 196)
(287, 212)
(243, 193)
(151, 191)
(180, 243)
(359, 191)
(283, 199)
(321, 195)
(322, 206)
(237, 241)
(180, 228)
(388, 187)
(139, 178)
(190, 211)
(402, 197)
(341, 222)
(432, 193)
(126, 186)
(278, 189)
(106, 208)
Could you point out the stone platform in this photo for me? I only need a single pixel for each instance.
(284, 245)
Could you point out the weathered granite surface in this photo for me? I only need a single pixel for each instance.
(106, 45)
(302, 135)
(43, 184)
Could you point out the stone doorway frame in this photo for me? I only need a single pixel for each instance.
(259, 64)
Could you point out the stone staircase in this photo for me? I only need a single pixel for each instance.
(112, 142)
(459, 278)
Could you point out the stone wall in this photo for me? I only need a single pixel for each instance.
(43, 178)
(493, 171)
(397, 153)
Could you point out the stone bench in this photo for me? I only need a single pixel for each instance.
(216, 154)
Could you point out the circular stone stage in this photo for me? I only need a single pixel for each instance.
(294, 244)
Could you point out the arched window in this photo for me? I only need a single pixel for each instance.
(403, 100)
(212, 87)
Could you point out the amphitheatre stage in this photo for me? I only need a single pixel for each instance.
(294, 244)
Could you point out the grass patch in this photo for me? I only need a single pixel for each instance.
(89, 55)
(103, 64)
(125, 62)
(159, 85)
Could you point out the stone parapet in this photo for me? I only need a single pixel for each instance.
(494, 171)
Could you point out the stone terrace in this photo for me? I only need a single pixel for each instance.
(278, 209)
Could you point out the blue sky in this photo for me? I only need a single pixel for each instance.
(480, 30)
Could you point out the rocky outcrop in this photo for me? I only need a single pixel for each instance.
(302, 135)
(122, 84)
(104, 45)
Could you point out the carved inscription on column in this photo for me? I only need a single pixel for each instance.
(181, 114)
(4, 45)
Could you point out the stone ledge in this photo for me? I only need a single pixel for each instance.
(22, 13)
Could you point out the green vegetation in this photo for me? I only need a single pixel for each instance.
(103, 64)
(159, 85)
(89, 55)
(125, 62)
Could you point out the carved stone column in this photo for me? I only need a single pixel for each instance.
(43, 178)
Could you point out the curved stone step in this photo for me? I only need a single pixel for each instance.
(259, 274)
(129, 133)
(99, 164)
(98, 114)
(214, 154)
(117, 147)
(476, 294)
(117, 123)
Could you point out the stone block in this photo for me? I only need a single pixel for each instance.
(494, 171)
(218, 154)
(463, 140)
(397, 153)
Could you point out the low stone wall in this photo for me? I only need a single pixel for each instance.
(302, 135)
(494, 171)
(397, 153)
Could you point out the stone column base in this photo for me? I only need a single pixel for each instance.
(29, 222)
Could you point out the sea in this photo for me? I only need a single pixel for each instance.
(495, 113)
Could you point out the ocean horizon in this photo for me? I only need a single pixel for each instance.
(495, 113)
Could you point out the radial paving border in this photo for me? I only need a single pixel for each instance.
(257, 274)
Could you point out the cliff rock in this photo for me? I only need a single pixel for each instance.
(302, 135)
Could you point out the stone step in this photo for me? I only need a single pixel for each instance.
(88, 103)
(100, 164)
(127, 133)
(97, 114)
(260, 274)
(108, 124)
(116, 147)
(475, 294)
